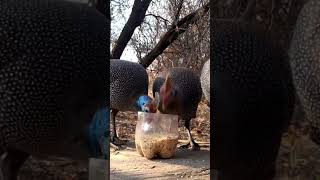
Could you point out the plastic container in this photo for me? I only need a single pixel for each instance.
(156, 135)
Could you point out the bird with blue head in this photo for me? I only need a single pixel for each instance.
(146, 104)
(128, 92)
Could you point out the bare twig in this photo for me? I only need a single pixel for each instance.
(176, 17)
(158, 17)
(173, 33)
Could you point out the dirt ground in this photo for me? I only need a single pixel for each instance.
(128, 164)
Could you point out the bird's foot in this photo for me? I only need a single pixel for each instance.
(116, 143)
(115, 147)
(192, 146)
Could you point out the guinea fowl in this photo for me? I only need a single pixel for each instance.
(253, 101)
(178, 91)
(53, 64)
(305, 64)
(128, 92)
(248, 132)
(205, 80)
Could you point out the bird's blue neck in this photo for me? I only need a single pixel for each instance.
(142, 102)
(98, 134)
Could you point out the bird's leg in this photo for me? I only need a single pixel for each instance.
(113, 133)
(194, 146)
(11, 161)
(114, 141)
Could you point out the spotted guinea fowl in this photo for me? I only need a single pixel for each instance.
(128, 91)
(205, 80)
(53, 79)
(253, 100)
(178, 91)
(305, 64)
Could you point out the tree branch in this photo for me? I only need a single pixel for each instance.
(173, 33)
(136, 18)
(158, 17)
(176, 17)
